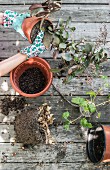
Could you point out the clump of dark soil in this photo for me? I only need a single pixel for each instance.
(32, 81)
(36, 29)
(27, 128)
(99, 144)
(32, 127)
(8, 104)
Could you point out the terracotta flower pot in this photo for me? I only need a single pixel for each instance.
(28, 25)
(98, 144)
(32, 62)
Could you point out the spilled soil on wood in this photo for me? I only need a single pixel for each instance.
(12, 104)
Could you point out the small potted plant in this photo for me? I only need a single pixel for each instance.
(32, 78)
(39, 19)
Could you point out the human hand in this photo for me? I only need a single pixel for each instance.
(12, 19)
(36, 48)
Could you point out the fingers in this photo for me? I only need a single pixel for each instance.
(1, 18)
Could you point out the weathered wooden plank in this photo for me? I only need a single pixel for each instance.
(58, 107)
(89, 31)
(63, 1)
(79, 13)
(53, 166)
(78, 86)
(73, 152)
(8, 49)
(7, 133)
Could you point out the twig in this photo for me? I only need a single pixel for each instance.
(76, 119)
(64, 97)
(103, 103)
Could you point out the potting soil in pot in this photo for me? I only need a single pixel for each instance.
(99, 143)
(36, 29)
(32, 81)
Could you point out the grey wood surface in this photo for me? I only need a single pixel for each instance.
(78, 86)
(89, 17)
(52, 166)
(89, 31)
(11, 2)
(79, 13)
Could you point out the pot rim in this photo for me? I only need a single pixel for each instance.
(36, 94)
(104, 148)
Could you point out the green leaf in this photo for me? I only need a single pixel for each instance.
(88, 48)
(74, 46)
(47, 39)
(34, 12)
(61, 22)
(68, 79)
(56, 40)
(67, 56)
(71, 49)
(91, 93)
(55, 70)
(62, 45)
(72, 28)
(57, 33)
(104, 77)
(66, 115)
(65, 35)
(92, 107)
(67, 126)
(85, 123)
(86, 109)
(89, 125)
(99, 115)
(68, 20)
(84, 105)
(78, 100)
(50, 28)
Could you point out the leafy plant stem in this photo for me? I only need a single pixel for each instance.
(103, 103)
(76, 119)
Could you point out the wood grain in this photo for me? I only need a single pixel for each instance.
(71, 152)
(89, 31)
(79, 13)
(52, 166)
(77, 86)
(11, 2)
